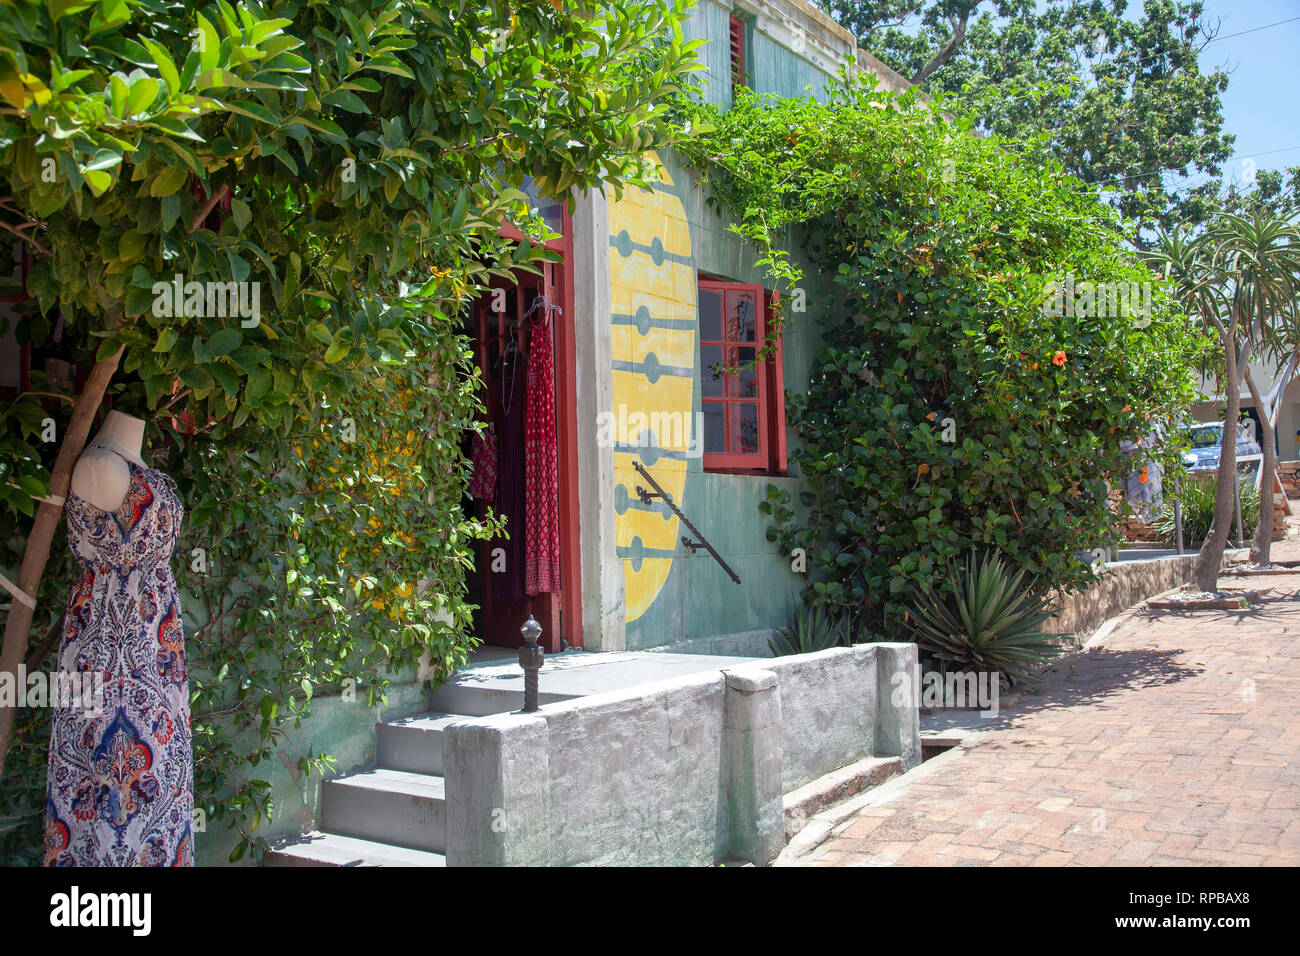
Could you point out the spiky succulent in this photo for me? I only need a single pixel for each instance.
(812, 629)
(985, 619)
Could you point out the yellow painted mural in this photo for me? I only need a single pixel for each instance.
(655, 352)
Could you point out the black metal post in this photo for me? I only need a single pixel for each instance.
(531, 657)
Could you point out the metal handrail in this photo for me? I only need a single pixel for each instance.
(647, 497)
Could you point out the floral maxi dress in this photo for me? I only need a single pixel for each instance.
(120, 788)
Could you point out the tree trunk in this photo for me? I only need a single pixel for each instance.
(37, 552)
(1260, 549)
(1210, 557)
(948, 50)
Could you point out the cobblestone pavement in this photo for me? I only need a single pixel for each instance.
(1176, 742)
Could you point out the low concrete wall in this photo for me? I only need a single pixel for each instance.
(683, 771)
(828, 710)
(1119, 587)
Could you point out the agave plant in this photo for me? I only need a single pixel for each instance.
(812, 629)
(987, 621)
(1197, 500)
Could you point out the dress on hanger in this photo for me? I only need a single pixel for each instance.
(120, 783)
(543, 518)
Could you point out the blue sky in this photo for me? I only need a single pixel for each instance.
(1262, 103)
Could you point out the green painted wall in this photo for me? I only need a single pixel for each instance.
(699, 599)
(336, 726)
(771, 66)
(774, 69)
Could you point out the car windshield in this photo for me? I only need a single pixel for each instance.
(1205, 436)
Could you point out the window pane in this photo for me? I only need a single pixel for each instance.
(741, 320)
(551, 211)
(744, 426)
(712, 378)
(744, 383)
(710, 315)
(715, 438)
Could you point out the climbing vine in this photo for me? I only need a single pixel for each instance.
(955, 403)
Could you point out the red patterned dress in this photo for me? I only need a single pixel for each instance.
(120, 787)
(542, 512)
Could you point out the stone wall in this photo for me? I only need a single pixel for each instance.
(1120, 586)
(1289, 473)
(684, 771)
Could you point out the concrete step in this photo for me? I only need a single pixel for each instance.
(475, 701)
(803, 804)
(332, 849)
(413, 743)
(387, 806)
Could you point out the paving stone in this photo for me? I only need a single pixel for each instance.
(1146, 751)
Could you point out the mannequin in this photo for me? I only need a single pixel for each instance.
(120, 777)
(102, 477)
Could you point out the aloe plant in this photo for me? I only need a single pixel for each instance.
(812, 629)
(987, 620)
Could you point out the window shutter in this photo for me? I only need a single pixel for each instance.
(776, 399)
(737, 29)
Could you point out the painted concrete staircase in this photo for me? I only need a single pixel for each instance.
(391, 815)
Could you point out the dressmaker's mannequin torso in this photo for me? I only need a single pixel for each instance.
(101, 475)
(120, 775)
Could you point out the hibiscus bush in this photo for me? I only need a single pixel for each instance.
(977, 376)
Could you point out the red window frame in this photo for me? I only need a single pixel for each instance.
(736, 36)
(770, 456)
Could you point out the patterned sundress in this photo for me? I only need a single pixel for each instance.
(120, 789)
(542, 518)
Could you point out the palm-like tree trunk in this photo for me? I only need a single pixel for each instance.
(1211, 554)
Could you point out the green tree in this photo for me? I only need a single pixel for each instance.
(954, 407)
(365, 156)
(1241, 277)
(1121, 101)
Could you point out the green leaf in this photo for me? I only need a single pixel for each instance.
(347, 101)
(103, 159)
(166, 65)
(226, 377)
(118, 92)
(168, 180)
(98, 181)
(241, 213)
(144, 90)
(208, 42)
(198, 378)
(225, 341)
(252, 110)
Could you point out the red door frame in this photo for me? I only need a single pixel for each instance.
(566, 613)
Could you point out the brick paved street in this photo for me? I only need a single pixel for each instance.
(1177, 742)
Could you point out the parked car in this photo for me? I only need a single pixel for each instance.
(1207, 444)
